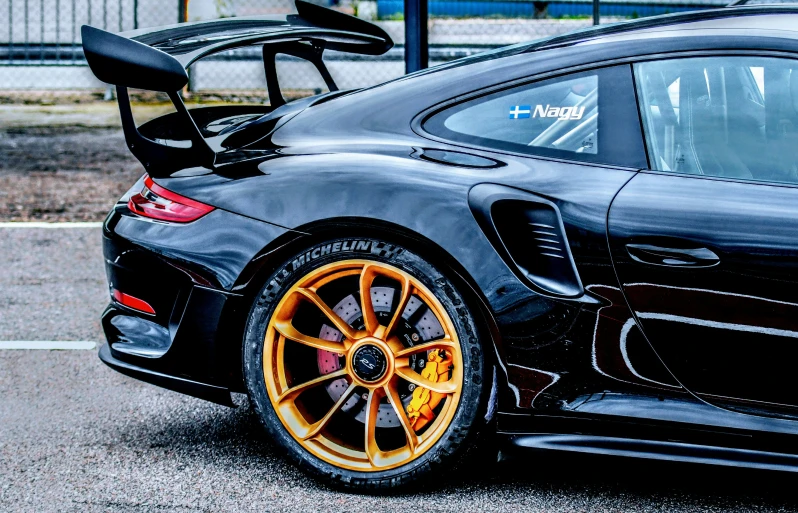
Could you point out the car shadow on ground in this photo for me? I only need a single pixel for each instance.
(651, 481)
(226, 435)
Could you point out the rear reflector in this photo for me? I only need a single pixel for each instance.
(155, 202)
(132, 302)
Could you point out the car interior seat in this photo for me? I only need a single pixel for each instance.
(703, 129)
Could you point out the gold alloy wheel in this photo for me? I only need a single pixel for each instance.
(376, 366)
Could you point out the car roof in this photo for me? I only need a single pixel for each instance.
(734, 28)
(765, 21)
(737, 3)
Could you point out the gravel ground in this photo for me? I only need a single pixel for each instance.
(64, 162)
(76, 436)
(54, 271)
(63, 174)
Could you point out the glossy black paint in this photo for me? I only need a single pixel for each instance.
(528, 232)
(728, 331)
(571, 356)
(118, 60)
(651, 449)
(186, 273)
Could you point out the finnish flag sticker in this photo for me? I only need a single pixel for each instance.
(520, 111)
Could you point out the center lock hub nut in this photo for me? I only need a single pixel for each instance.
(369, 363)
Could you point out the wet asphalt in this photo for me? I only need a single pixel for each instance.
(76, 436)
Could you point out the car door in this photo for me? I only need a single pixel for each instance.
(705, 244)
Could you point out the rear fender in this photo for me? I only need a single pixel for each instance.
(282, 249)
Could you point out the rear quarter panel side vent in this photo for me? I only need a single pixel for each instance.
(528, 233)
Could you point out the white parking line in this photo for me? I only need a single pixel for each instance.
(49, 345)
(38, 224)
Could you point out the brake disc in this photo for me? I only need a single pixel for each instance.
(426, 328)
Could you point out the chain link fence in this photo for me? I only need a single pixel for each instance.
(40, 39)
(238, 74)
(40, 46)
(457, 28)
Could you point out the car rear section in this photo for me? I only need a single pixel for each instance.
(173, 282)
(177, 268)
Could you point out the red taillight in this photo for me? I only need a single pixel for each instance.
(155, 202)
(132, 302)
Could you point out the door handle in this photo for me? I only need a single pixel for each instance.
(672, 257)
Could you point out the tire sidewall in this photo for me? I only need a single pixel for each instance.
(467, 419)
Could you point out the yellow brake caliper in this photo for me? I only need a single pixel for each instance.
(420, 410)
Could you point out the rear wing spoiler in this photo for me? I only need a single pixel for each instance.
(156, 59)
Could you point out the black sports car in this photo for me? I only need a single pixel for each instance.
(586, 243)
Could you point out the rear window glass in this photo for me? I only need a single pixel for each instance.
(558, 115)
(575, 117)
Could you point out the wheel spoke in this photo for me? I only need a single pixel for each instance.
(396, 401)
(292, 393)
(443, 343)
(375, 455)
(366, 306)
(328, 312)
(286, 329)
(404, 298)
(443, 387)
(372, 412)
(316, 427)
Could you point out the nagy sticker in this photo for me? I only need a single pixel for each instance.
(558, 112)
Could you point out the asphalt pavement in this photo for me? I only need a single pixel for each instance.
(76, 436)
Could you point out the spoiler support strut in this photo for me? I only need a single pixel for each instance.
(311, 52)
(150, 152)
(156, 59)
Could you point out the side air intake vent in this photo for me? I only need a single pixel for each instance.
(528, 233)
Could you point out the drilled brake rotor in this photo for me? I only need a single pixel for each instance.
(426, 328)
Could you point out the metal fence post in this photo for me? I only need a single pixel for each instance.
(11, 32)
(182, 11)
(182, 17)
(596, 12)
(416, 35)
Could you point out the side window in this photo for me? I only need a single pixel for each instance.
(557, 115)
(581, 116)
(733, 117)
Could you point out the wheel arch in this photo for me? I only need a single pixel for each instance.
(278, 251)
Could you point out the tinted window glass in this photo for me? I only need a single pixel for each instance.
(580, 116)
(733, 117)
(557, 115)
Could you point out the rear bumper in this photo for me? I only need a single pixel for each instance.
(187, 274)
(220, 395)
(186, 355)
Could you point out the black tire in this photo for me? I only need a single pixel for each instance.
(469, 417)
